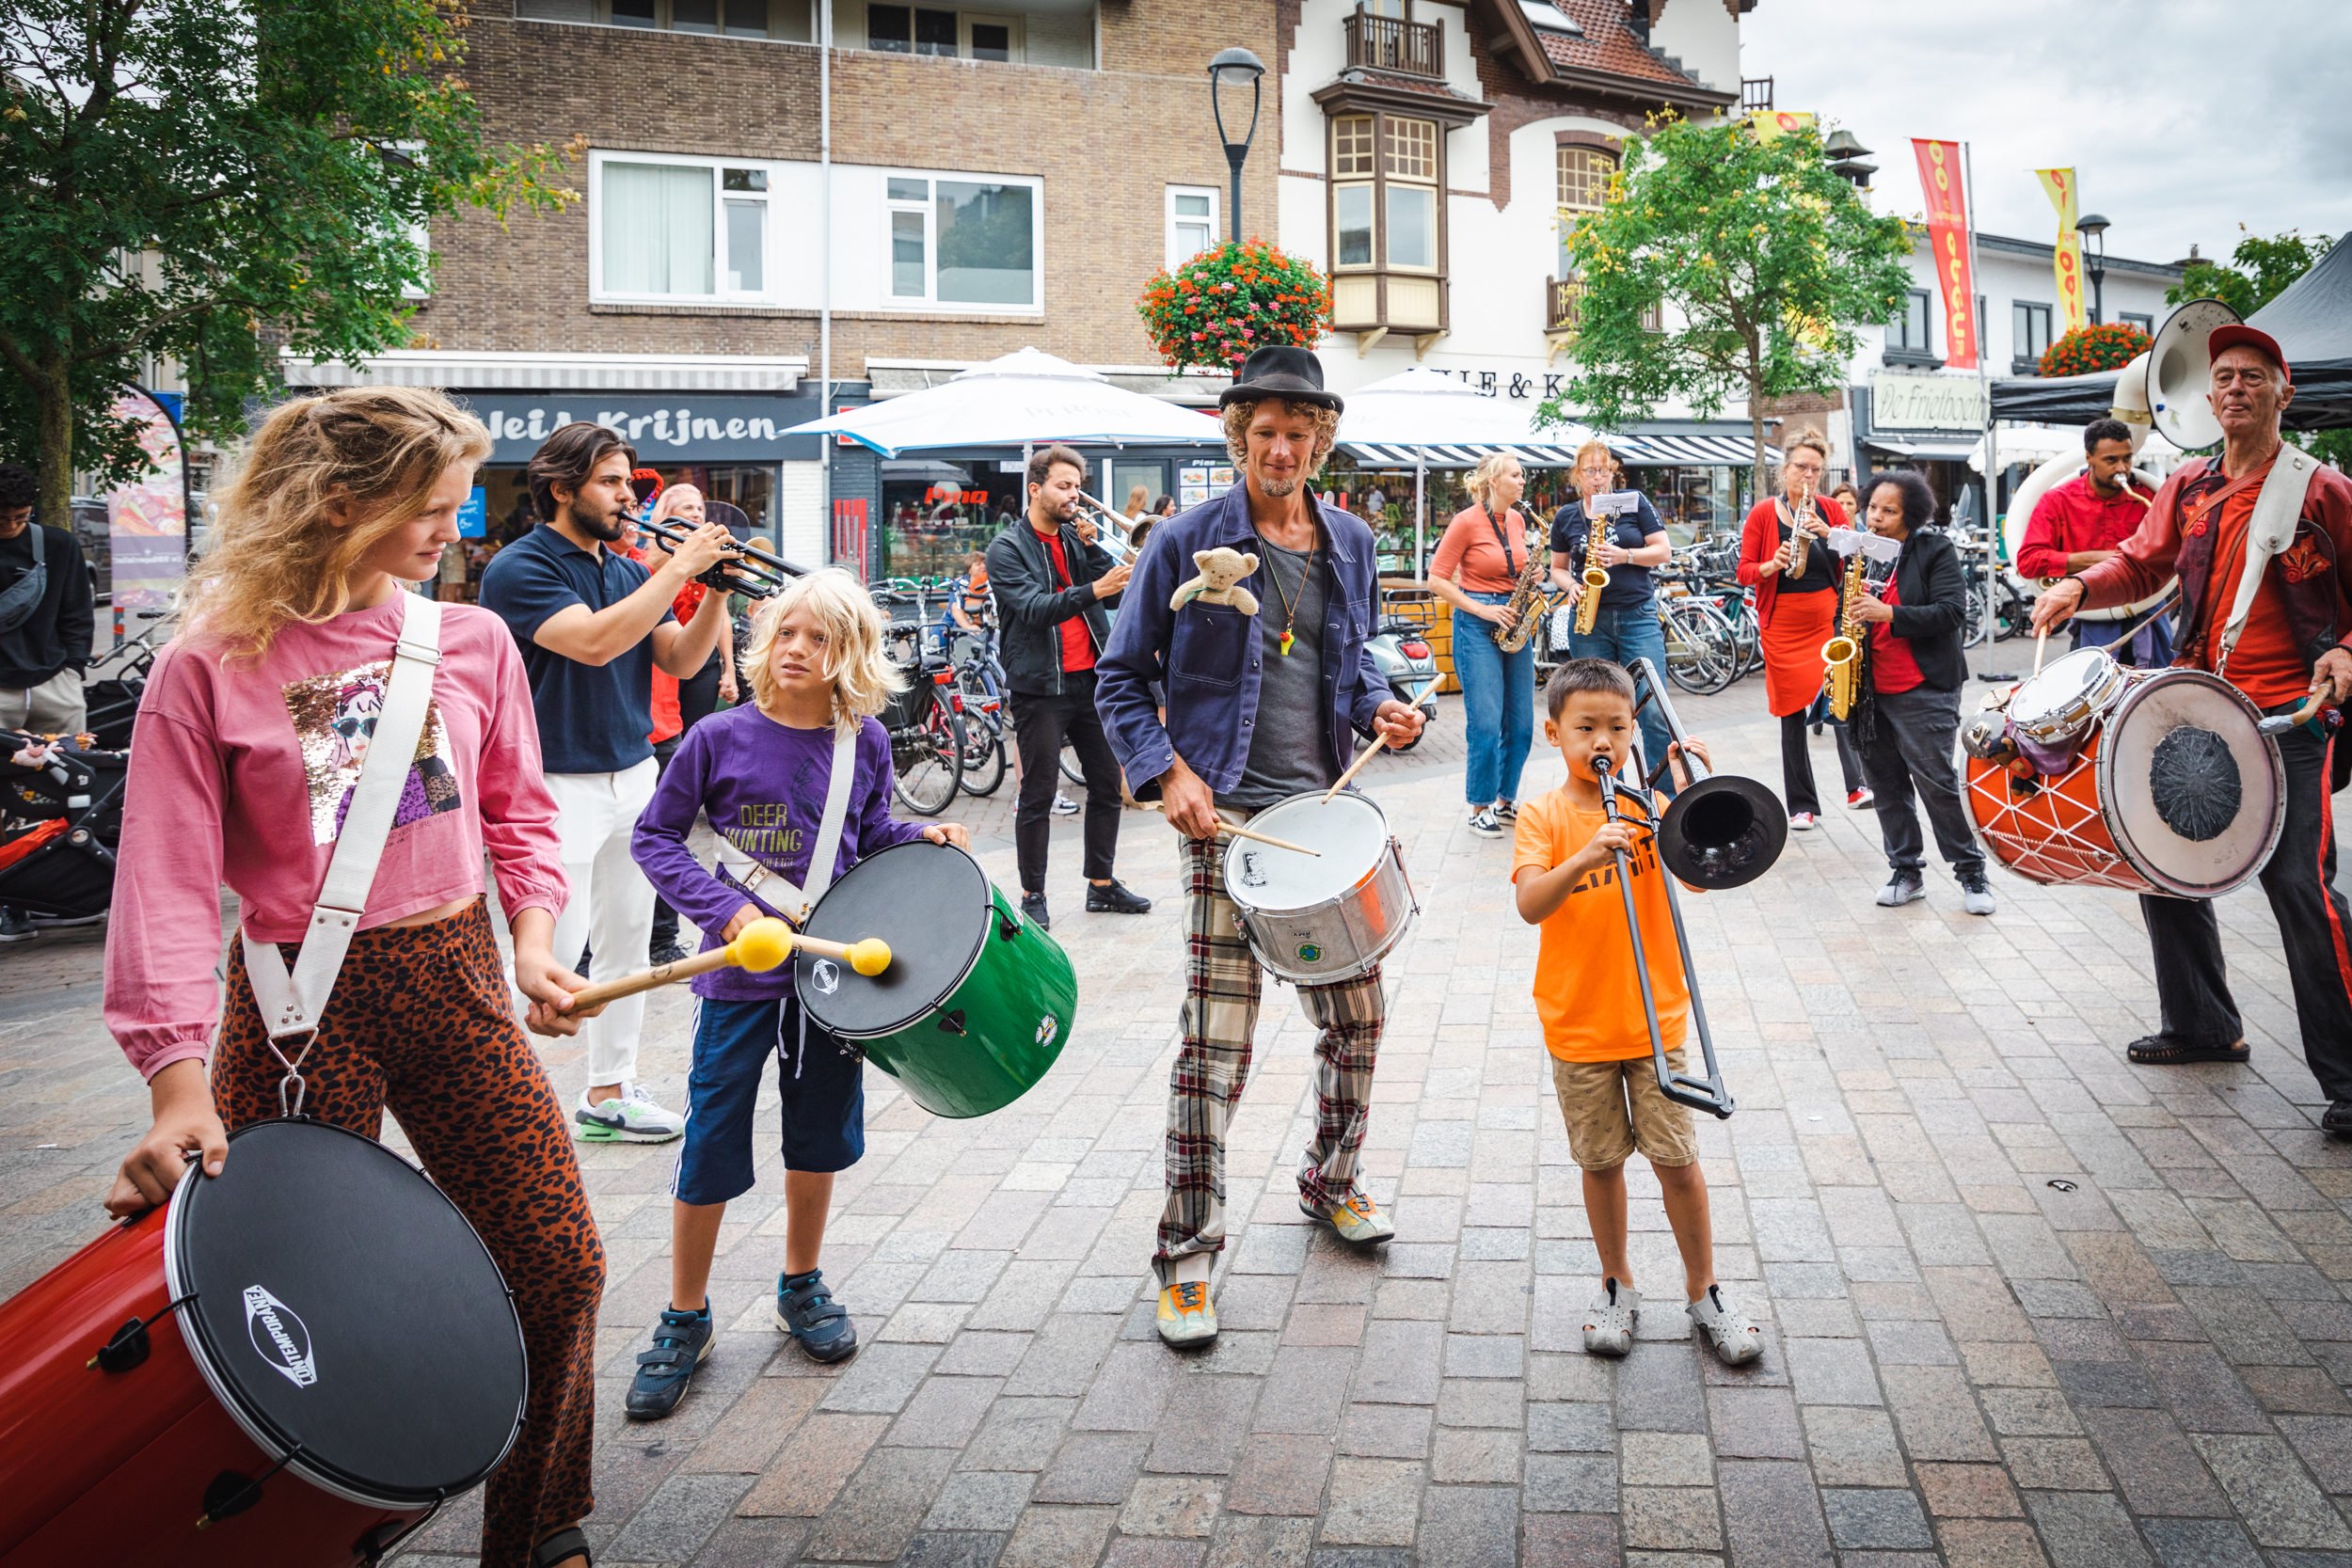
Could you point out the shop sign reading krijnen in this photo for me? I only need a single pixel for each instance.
(663, 429)
(1927, 402)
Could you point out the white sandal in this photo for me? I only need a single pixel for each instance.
(1613, 1313)
(1737, 1340)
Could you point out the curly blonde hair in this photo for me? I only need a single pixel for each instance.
(275, 556)
(863, 676)
(1236, 416)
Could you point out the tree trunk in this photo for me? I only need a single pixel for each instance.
(1756, 431)
(54, 392)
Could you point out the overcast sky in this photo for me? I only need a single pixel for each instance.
(2182, 117)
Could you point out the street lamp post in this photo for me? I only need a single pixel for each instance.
(2095, 228)
(1231, 70)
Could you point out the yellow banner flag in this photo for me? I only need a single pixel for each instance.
(1769, 126)
(2059, 184)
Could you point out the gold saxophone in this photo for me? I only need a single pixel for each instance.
(1843, 652)
(1595, 575)
(1525, 596)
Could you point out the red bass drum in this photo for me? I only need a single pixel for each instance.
(291, 1366)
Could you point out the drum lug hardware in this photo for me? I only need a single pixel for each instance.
(1007, 926)
(951, 1022)
(130, 1345)
(231, 1494)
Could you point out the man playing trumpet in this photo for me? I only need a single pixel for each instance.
(2292, 643)
(2081, 523)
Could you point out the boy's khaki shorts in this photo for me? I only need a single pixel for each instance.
(1614, 1108)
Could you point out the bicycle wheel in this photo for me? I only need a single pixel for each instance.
(1070, 768)
(1972, 630)
(983, 756)
(927, 762)
(1698, 647)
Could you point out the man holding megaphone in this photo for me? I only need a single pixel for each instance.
(2275, 628)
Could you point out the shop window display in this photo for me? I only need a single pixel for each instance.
(935, 514)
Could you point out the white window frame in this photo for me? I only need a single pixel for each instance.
(664, 21)
(1014, 22)
(931, 302)
(719, 294)
(1177, 256)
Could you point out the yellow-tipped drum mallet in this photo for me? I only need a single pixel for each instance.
(763, 944)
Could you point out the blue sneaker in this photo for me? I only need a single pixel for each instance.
(806, 1311)
(681, 1342)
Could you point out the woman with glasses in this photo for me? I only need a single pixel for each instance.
(1632, 545)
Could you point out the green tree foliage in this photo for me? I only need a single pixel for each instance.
(1723, 266)
(201, 182)
(2256, 274)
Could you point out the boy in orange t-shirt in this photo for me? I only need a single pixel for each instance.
(1588, 995)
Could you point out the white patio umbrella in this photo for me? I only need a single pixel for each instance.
(1421, 412)
(1019, 399)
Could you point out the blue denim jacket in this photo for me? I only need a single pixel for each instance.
(1207, 656)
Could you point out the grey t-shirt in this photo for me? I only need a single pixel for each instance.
(1290, 749)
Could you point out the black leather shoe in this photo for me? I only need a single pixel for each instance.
(1033, 910)
(2337, 1119)
(1114, 898)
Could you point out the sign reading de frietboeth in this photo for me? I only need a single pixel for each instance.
(1926, 403)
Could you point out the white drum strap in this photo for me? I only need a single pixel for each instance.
(2277, 508)
(291, 1005)
(797, 900)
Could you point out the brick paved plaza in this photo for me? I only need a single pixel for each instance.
(2025, 1303)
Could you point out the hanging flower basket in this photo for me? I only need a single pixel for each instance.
(2088, 350)
(1214, 309)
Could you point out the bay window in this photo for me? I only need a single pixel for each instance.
(1387, 222)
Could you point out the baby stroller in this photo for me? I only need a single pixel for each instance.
(61, 821)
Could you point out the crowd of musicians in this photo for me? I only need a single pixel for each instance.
(533, 762)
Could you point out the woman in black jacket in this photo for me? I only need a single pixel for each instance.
(1908, 716)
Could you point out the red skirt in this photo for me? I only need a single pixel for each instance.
(1793, 666)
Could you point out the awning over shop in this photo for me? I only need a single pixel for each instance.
(1375, 456)
(1930, 451)
(1697, 451)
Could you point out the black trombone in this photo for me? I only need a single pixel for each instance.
(754, 571)
(1721, 832)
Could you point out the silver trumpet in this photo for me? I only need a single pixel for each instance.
(752, 572)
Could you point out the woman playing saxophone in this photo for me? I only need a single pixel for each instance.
(1620, 622)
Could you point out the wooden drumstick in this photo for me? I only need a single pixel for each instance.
(2041, 641)
(1225, 826)
(762, 945)
(1354, 768)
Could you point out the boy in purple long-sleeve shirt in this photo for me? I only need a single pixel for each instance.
(762, 773)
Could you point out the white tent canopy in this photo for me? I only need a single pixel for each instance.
(1030, 398)
(2036, 444)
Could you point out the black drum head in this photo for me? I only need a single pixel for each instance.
(344, 1305)
(930, 902)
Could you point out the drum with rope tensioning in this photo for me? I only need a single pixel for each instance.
(293, 1364)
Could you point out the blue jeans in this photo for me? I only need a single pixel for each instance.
(1621, 634)
(1499, 696)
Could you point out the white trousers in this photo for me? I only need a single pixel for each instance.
(610, 911)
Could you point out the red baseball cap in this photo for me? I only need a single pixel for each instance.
(2238, 334)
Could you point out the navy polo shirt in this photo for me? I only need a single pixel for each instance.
(593, 719)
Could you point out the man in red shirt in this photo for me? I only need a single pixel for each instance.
(2080, 523)
(2293, 644)
(1052, 583)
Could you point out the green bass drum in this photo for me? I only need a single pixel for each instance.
(976, 1001)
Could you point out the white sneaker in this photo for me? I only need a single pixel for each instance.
(1801, 822)
(1065, 806)
(1484, 824)
(633, 1119)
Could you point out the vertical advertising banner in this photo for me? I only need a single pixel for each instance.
(147, 520)
(2058, 183)
(1947, 236)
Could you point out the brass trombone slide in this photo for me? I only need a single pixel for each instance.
(1701, 1094)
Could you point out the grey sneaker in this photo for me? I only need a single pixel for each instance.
(1974, 896)
(1608, 1322)
(1485, 824)
(1737, 1340)
(1903, 888)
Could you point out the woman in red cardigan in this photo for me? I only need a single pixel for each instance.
(1796, 605)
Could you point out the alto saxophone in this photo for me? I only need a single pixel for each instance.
(1595, 575)
(1842, 653)
(1525, 595)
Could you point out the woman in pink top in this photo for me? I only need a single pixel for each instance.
(252, 732)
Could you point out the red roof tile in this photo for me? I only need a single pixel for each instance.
(1607, 44)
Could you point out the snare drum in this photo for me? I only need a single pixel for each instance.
(977, 1002)
(2174, 790)
(2074, 693)
(1316, 921)
(339, 1359)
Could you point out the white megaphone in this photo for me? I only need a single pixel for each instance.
(2180, 375)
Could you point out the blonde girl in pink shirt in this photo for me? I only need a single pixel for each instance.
(254, 726)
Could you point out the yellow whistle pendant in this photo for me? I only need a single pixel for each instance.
(1284, 646)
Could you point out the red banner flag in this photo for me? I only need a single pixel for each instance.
(1947, 236)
